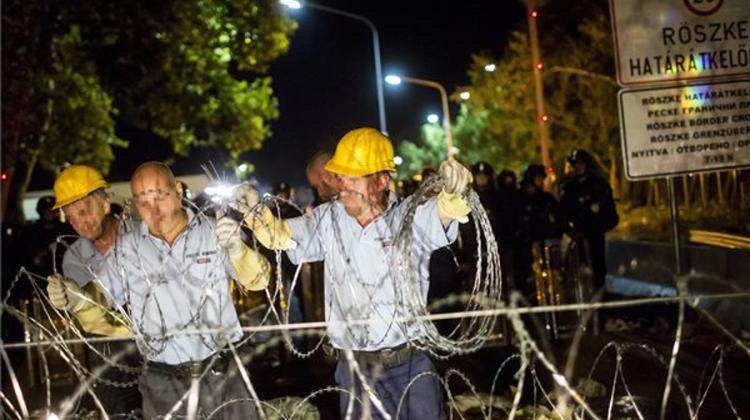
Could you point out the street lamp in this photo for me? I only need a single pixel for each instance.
(292, 4)
(392, 79)
(295, 4)
(433, 118)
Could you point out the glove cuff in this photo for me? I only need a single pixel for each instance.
(82, 305)
(453, 206)
(236, 251)
(270, 231)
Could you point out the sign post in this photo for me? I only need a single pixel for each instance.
(680, 128)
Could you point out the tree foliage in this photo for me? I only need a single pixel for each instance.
(580, 99)
(428, 151)
(190, 71)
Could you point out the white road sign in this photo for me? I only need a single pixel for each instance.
(660, 41)
(677, 130)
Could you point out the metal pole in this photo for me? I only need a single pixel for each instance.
(376, 52)
(379, 80)
(538, 86)
(446, 110)
(675, 216)
(679, 286)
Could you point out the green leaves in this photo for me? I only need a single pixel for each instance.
(498, 123)
(429, 151)
(189, 71)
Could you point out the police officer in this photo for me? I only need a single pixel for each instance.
(537, 220)
(483, 185)
(284, 208)
(506, 214)
(43, 234)
(588, 211)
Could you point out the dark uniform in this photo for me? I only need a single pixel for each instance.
(483, 176)
(284, 208)
(42, 238)
(485, 189)
(537, 220)
(588, 212)
(506, 215)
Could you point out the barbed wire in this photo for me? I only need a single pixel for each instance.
(482, 306)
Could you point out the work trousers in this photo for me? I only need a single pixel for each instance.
(117, 388)
(221, 393)
(423, 399)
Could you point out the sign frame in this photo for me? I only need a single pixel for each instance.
(677, 78)
(623, 133)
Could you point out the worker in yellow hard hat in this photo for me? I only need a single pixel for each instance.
(173, 272)
(355, 235)
(80, 192)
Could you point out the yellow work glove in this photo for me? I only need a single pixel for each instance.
(65, 294)
(96, 320)
(252, 269)
(456, 179)
(90, 312)
(452, 206)
(270, 231)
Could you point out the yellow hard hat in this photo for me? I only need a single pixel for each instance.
(75, 183)
(361, 152)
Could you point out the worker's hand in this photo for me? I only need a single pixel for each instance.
(65, 294)
(229, 236)
(456, 178)
(244, 199)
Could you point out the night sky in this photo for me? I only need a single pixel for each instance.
(325, 83)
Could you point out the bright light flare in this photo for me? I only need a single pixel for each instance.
(292, 4)
(392, 79)
(398, 160)
(465, 95)
(219, 192)
(490, 67)
(433, 118)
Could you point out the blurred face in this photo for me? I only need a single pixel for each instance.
(87, 216)
(324, 182)
(481, 180)
(158, 203)
(539, 181)
(580, 168)
(362, 195)
(49, 215)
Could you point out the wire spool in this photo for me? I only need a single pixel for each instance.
(485, 293)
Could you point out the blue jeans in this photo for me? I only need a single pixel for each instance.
(424, 399)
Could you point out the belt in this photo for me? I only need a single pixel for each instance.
(388, 357)
(219, 362)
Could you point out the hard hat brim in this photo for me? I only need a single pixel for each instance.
(76, 197)
(338, 169)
